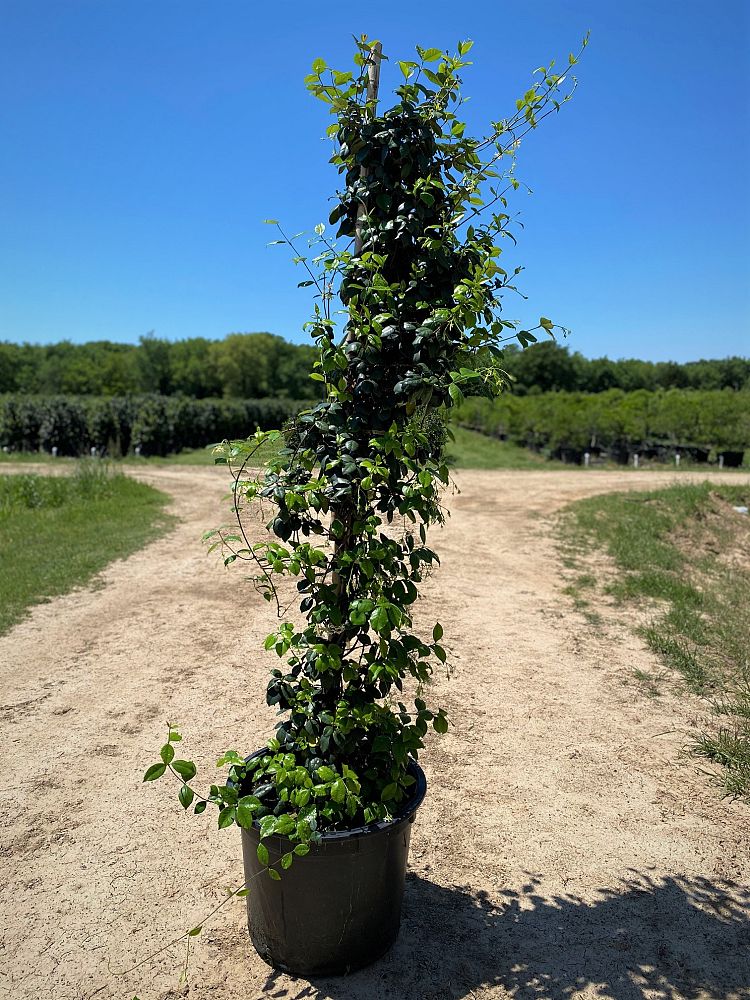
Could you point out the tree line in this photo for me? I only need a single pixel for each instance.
(551, 367)
(241, 366)
(256, 365)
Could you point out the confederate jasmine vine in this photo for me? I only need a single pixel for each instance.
(415, 262)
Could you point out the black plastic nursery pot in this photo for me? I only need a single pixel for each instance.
(338, 908)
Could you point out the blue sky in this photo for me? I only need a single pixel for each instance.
(144, 142)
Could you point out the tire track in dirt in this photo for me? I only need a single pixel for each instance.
(565, 848)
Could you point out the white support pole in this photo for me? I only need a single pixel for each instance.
(373, 83)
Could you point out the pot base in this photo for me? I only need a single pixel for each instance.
(338, 908)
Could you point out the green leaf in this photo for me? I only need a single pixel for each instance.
(379, 619)
(267, 826)
(195, 931)
(455, 394)
(226, 817)
(245, 816)
(186, 796)
(200, 807)
(284, 825)
(274, 874)
(167, 753)
(262, 852)
(301, 850)
(431, 55)
(389, 791)
(326, 773)
(525, 338)
(154, 772)
(338, 790)
(440, 724)
(319, 65)
(437, 632)
(286, 860)
(185, 769)
(407, 68)
(546, 323)
(464, 47)
(271, 222)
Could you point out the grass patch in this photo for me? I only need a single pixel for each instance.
(189, 456)
(57, 532)
(472, 450)
(31, 458)
(578, 586)
(684, 553)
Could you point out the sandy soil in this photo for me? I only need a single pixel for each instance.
(566, 848)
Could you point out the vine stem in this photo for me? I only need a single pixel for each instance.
(188, 934)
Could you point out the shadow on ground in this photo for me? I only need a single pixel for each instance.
(673, 938)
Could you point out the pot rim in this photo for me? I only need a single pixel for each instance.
(406, 810)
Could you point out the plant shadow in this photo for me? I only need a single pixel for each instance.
(671, 938)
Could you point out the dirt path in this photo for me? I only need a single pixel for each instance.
(565, 849)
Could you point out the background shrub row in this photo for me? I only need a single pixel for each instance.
(561, 424)
(700, 424)
(114, 425)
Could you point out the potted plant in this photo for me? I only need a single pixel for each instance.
(352, 492)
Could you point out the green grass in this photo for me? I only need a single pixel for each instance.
(57, 532)
(31, 458)
(190, 456)
(472, 450)
(683, 553)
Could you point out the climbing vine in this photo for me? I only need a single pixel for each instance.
(415, 262)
